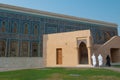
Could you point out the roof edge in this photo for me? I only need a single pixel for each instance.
(6, 6)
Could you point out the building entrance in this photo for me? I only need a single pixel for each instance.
(59, 56)
(115, 55)
(83, 53)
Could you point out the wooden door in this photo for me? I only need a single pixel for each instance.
(59, 56)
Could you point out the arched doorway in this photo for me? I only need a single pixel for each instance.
(83, 53)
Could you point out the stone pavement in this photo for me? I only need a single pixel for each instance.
(112, 68)
(10, 69)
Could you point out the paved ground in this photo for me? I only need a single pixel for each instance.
(9, 69)
(110, 68)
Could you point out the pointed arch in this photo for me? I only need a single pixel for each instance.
(83, 54)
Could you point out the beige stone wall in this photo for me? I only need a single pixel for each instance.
(68, 42)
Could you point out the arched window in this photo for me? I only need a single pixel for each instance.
(3, 26)
(35, 30)
(14, 30)
(26, 29)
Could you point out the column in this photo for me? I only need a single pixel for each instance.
(18, 47)
(89, 47)
(29, 50)
(20, 44)
(6, 47)
(89, 55)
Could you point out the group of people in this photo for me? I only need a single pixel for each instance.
(100, 60)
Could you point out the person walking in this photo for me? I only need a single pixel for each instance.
(108, 61)
(100, 60)
(94, 60)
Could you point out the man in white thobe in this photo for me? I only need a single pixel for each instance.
(100, 60)
(94, 60)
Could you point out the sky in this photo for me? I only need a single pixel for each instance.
(103, 10)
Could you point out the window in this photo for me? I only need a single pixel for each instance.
(24, 49)
(3, 26)
(35, 30)
(34, 49)
(13, 48)
(26, 29)
(14, 30)
(2, 48)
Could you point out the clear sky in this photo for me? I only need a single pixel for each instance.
(105, 10)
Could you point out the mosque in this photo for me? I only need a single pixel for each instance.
(33, 39)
